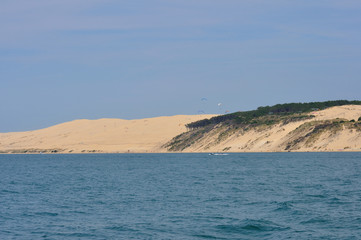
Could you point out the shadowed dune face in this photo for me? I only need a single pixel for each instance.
(102, 135)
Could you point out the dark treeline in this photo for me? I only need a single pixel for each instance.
(279, 109)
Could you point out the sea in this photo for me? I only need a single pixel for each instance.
(181, 196)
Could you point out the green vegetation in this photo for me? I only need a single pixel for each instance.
(225, 129)
(222, 127)
(270, 114)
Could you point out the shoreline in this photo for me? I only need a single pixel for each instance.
(95, 153)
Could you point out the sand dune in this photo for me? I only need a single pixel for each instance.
(150, 135)
(284, 137)
(349, 112)
(102, 135)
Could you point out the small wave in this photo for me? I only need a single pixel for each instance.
(77, 212)
(27, 215)
(335, 199)
(205, 236)
(8, 191)
(315, 220)
(213, 199)
(251, 225)
(4, 218)
(76, 234)
(283, 206)
(316, 195)
(44, 234)
(46, 214)
(120, 229)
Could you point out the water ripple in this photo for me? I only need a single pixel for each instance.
(181, 196)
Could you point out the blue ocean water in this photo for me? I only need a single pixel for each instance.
(181, 196)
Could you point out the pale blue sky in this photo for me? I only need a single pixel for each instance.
(62, 60)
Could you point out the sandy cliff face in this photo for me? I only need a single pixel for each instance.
(330, 130)
(103, 135)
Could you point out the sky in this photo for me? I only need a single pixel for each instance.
(63, 60)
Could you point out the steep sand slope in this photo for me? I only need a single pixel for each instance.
(284, 137)
(103, 135)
